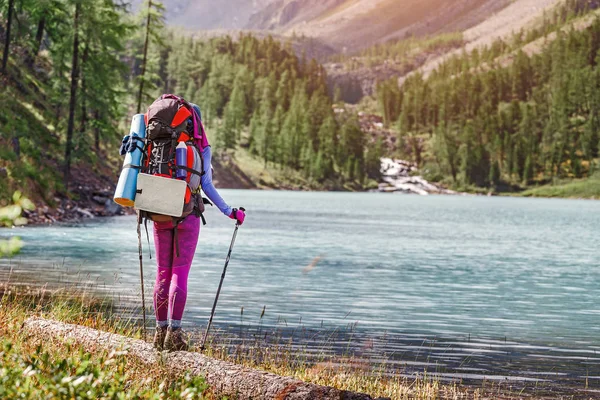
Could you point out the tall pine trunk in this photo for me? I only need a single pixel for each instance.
(39, 34)
(144, 58)
(11, 4)
(84, 114)
(73, 101)
(97, 131)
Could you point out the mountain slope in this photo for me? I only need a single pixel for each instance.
(209, 14)
(285, 13)
(358, 76)
(354, 24)
(518, 15)
(521, 113)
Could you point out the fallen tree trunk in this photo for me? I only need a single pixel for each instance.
(225, 378)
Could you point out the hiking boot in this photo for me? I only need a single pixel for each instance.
(174, 340)
(159, 337)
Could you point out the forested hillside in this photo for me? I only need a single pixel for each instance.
(357, 75)
(63, 85)
(517, 113)
(69, 90)
(500, 117)
(258, 95)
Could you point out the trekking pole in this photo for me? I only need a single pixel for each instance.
(212, 313)
(139, 233)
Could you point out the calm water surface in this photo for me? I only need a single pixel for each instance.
(473, 286)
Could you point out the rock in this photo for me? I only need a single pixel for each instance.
(397, 178)
(111, 208)
(100, 199)
(395, 168)
(84, 213)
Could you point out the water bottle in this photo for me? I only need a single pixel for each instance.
(181, 160)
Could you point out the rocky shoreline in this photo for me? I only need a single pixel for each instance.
(85, 201)
(75, 210)
(94, 200)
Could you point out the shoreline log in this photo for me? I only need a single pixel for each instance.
(224, 378)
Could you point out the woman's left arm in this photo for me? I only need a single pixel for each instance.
(211, 192)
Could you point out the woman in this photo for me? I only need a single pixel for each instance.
(170, 290)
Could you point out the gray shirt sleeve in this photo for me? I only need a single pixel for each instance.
(207, 184)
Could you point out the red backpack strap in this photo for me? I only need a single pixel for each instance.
(190, 163)
(148, 154)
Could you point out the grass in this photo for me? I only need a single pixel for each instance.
(29, 369)
(588, 188)
(33, 370)
(273, 176)
(342, 372)
(269, 176)
(27, 119)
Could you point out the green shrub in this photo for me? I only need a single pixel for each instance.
(9, 216)
(76, 374)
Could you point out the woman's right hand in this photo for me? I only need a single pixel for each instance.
(238, 214)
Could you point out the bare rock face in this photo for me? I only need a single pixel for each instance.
(289, 11)
(225, 378)
(281, 14)
(208, 14)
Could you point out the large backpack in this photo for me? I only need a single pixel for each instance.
(167, 125)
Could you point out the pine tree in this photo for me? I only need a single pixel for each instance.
(528, 171)
(154, 21)
(102, 70)
(352, 142)
(46, 16)
(9, 18)
(266, 135)
(236, 111)
(285, 90)
(73, 96)
(231, 123)
(190, 91)
(390, 100)
(373, 160)
(317, 169)
(253, 130)
(329, 145)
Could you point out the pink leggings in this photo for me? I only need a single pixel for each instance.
(170, 289)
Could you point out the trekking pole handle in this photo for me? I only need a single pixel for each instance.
(237, 223)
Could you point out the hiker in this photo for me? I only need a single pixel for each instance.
(175, 245)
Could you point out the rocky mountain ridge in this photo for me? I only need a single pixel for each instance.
(349, 25)
(519, 15)
(208, 14)
(346, 25)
